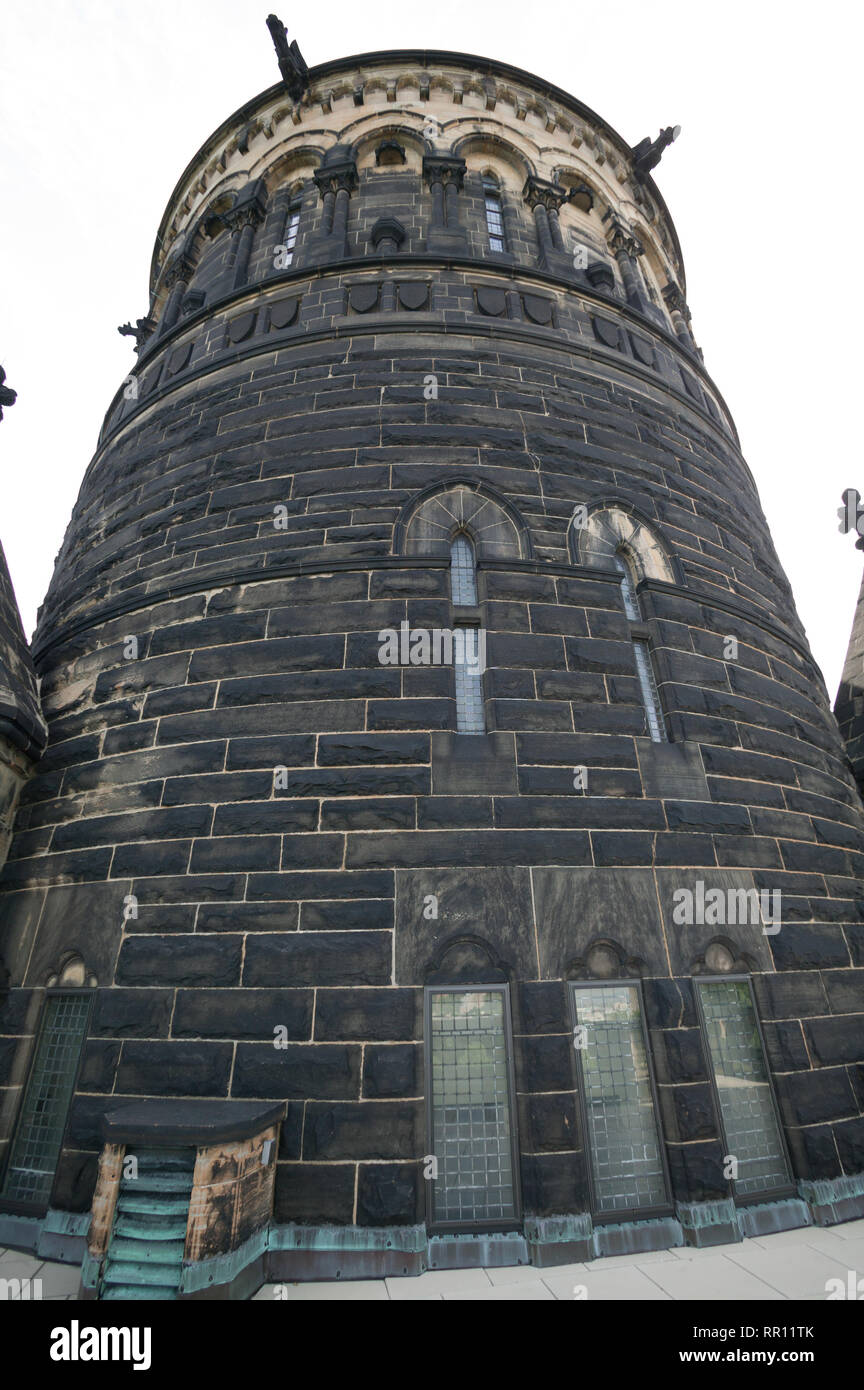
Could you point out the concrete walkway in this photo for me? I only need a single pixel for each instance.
(792, 1265)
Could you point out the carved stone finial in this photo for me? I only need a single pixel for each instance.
(292, 64)
(7, 395)
(648, 153)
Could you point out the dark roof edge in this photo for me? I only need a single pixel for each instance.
(425, 57)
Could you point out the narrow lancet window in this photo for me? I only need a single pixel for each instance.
(494, 214)
(291, 227)
(642, 656)
(463, 573)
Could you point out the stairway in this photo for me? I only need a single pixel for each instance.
(145, 1252)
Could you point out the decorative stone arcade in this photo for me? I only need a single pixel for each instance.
(485, 926)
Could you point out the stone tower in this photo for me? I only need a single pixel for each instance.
(444, 847)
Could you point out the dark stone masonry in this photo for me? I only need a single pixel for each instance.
(429, 310)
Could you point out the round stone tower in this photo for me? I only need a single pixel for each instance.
(444, 849)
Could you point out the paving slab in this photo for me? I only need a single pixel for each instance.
(627, 1284)
(710, 1280)
(502, 1293)
(335, 1291)
(14, 1264)
(797, 1272)
(516, 1274)
(438, 1281)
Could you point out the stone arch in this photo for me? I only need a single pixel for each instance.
(430, 521)
(466, 958)
(604, 959)
(614, 527)
(290, 166)
(407, 136)
(70, 972)
(722, 956)
(506, 157)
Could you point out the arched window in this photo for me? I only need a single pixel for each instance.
(494, 212)
(430, 522)
(463, 574)
(641, 652)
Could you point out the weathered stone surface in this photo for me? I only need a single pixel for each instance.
(249, 829)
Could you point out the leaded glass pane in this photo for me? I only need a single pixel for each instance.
(468, 672)
(752, 1134)
(622, 1127)
(42, 1120)
(291, 234)
(471, 1123)
(650, 695)
(628, 593)
(463, 578)
(494, 218)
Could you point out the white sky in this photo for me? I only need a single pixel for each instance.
(103, 104)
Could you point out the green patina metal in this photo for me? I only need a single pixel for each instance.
(223, 1269)
(145, 1252)
(636, 1237)
(767, 1217)
(66, 1223)
(698, 1216)
(410, 1239)
(90, 1270)
(824, 1192)
(558, 1230)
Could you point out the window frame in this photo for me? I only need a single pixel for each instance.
(599, 1217)
(770, 1194)
(295, 209)
(467, 538)
(493, 187)
(641, 637)
(28, 1206)
(510, 1223)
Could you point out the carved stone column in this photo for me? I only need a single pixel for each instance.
(680, 316)
(177, 278)
(445, 175)
(242, 219)
(336, 179)
(625, 247)
(545, 200)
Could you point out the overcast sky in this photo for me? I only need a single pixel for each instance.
(104, 102)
